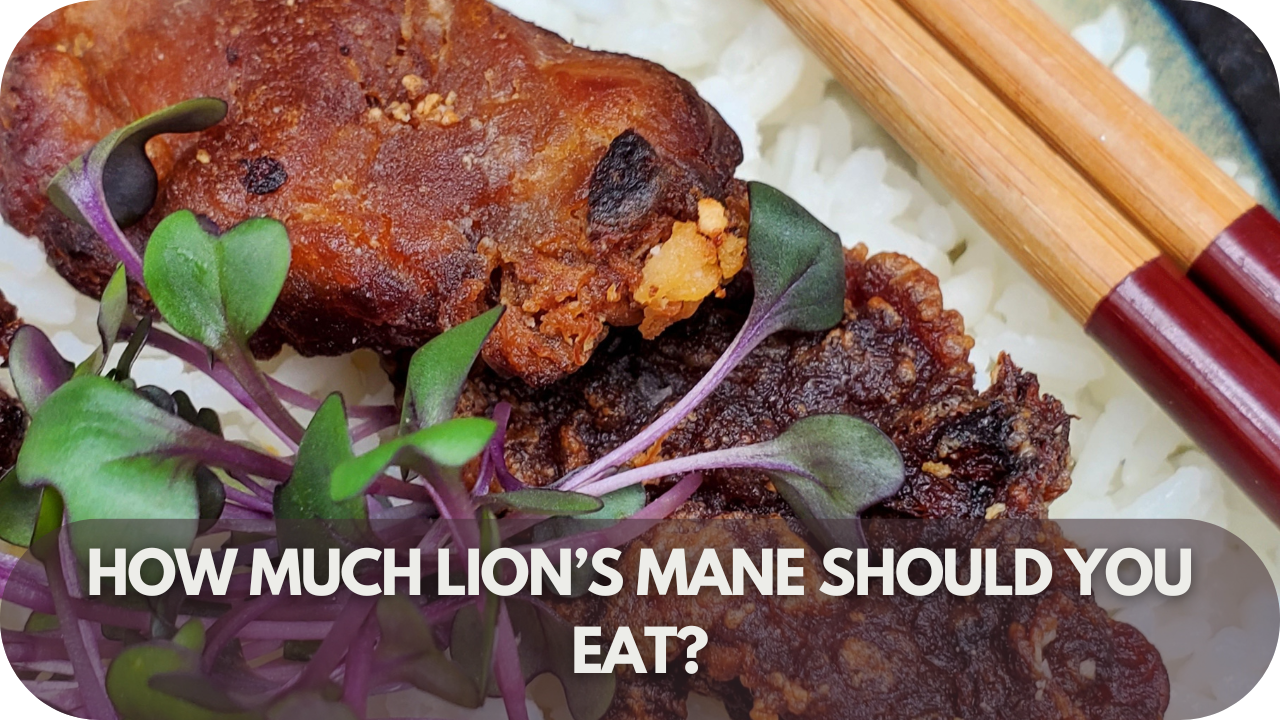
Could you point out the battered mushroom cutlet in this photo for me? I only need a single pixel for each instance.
(898, 359)
(1056, 656)
(429, 159)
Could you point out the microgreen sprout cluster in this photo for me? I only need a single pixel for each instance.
(102, 447)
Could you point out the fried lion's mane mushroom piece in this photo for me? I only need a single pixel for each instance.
(988, 464)
(897, 359)
(429, 160)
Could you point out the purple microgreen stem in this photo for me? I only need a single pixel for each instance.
(748, 338)
(506, 668)
(391, 487)
(251, 484)
(737, 457)
(249, 502)
(341, 637)
(230, 625)
(197, 357)
(78, 635)
(82, 185)
(254, 382)
(454, 504)
(493, 462)
(359, 668)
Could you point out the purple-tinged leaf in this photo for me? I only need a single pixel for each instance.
(827, 467)
(114, 184)
(137, 339)
(113, 455)
(409, 649)
(36, 366)
(797, 266)
(19, 507)
(111, 313)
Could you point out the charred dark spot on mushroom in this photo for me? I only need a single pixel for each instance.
(13, 426)
(9, 323)
(263, 175)
(625, 184)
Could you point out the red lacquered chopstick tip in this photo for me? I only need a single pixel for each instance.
(1240, 270)
(1219, 385)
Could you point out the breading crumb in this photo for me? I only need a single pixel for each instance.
(936, 469)
(400, 111)
(693, 263)
(414, 85)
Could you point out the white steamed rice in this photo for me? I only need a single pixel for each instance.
(802, 133)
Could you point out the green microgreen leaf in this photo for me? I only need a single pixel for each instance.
(216, 290)
(119, 163)
(831, 468)
(19, 507)
(137, 340)
(617, 505)
(449, 444)
(408, 648)
(545, 501)
(797, 266)
(325, 446)
(439, 368)
(111, 313)
(113, 455)
(36, 367)
(161, 680)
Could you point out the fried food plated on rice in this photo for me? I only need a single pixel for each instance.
(433, 160)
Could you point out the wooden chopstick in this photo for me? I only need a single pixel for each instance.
(1218, 384)
(1194, 212)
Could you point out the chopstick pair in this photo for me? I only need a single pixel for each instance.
(1201, 218)
(1184, 350)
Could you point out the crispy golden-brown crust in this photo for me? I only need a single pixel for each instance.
(430, 158)
(897, 359)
